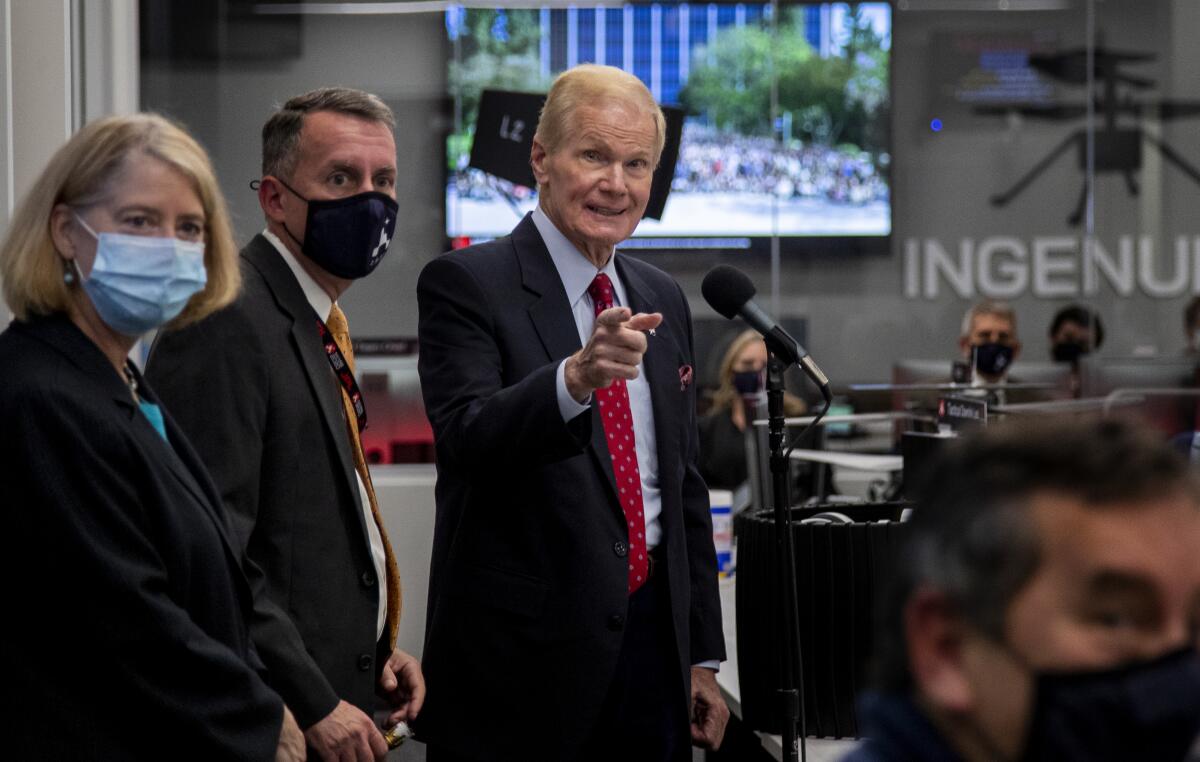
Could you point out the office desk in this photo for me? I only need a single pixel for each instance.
(819, 749)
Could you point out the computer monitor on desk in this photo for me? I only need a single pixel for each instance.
(1102, 376)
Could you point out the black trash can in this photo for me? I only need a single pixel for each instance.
(839, 566)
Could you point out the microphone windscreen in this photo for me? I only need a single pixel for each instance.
(726, 289)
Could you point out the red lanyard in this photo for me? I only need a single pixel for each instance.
(341, 369)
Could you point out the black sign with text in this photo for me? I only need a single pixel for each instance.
(961, 412)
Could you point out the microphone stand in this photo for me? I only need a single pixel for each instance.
(790, 695)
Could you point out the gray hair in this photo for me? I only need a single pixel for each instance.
(281, 133)
(988, 307)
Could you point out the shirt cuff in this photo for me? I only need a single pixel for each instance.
(713, 664)
(567, 405)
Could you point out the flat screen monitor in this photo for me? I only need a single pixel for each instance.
(820, 172)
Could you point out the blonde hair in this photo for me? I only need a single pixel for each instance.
(81, 174)
(588, 84)
(726, 395)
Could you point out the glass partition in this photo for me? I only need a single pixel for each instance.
(1041, 152)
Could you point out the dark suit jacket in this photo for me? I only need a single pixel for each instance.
(126, 633)
(527, 592)
(253, 389)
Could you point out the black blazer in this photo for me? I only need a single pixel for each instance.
(126, 633)
(527, 590)
(253, 389)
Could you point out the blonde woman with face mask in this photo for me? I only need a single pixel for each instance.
(129, 609)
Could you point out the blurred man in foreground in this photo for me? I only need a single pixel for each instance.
(1046, 604)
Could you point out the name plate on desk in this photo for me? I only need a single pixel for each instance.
(961, 413)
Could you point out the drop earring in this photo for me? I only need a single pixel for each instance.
(69, 273)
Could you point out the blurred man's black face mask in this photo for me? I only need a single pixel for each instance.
(1069, 351)
(992, 359)
(1148, 710)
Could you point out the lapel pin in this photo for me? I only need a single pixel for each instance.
(685, 377)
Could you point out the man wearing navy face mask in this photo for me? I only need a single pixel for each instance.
(266, 390)
(1045, 604)
(989, 342)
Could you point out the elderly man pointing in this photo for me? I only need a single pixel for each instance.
(573, 609)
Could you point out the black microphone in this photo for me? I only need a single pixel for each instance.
(729, 291)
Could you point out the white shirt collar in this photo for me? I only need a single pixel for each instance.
(316, 296)
(574, 270)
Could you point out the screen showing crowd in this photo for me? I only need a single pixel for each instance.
(820, 170)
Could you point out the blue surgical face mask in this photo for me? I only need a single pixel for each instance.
(139, 283)
(347, 237)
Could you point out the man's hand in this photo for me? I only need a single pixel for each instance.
(612, 352)
(709, 712)
(347, 735)
(403, 685)
(291, 741)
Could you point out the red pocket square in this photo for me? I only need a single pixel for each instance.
(685, 377)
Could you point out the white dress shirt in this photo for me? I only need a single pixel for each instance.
(576, 273)
(322, 304)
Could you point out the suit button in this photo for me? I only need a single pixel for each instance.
(620, 548)
(364, 662)
(368, 579)
(616, 622)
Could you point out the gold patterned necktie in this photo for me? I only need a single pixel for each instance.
(341, 334)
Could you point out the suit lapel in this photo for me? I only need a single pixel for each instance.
(186, 468)
(554, 322)
(181, 461)
(184, 465)
(661, 364)
(189, 470)
(177, 451)
(307, 346)
(62, 336)
(548, 309)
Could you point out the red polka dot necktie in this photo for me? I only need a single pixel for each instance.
(613, 403)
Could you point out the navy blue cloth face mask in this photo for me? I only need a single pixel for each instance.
(993, 359)
(347, 237)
